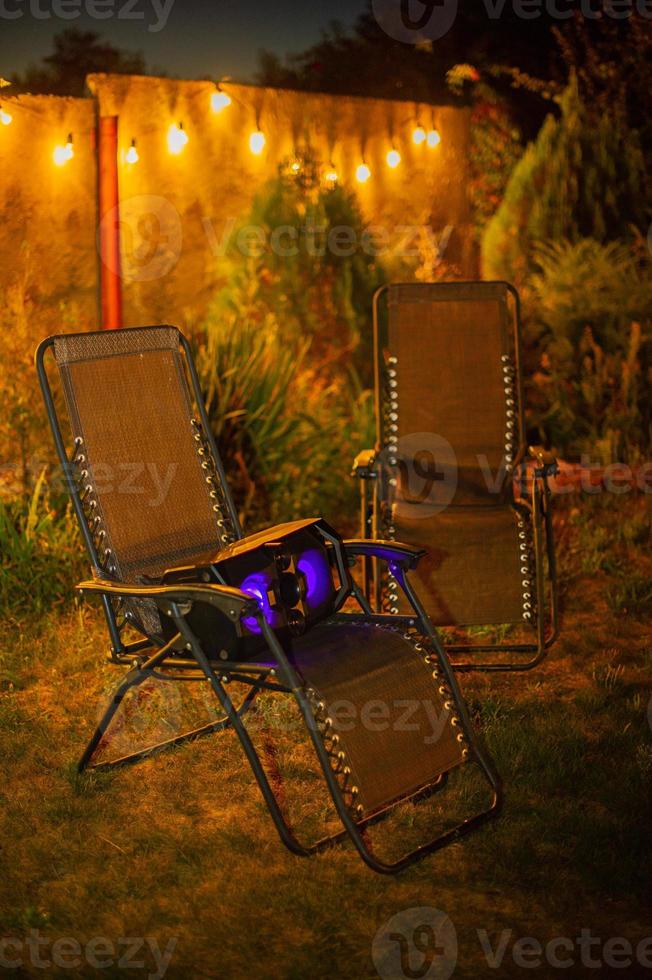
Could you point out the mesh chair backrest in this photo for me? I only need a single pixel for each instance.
(149, 481)
(456, 386)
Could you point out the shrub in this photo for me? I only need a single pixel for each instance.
(40, 552)
(583, 177)
(282, 359)
(290, 272)
(588, 314)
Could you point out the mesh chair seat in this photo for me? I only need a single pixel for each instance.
(390, 716)
(479, 565)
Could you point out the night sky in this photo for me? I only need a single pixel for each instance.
(200, 37)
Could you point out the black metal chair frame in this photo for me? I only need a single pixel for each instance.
(366, 470)
(146, 660)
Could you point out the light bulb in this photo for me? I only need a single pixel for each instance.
(433, 138)
(177, 138)
(62, 154)
(132, 153)
(295, 167)
(393, 158)
(419, 135)
(331, 175)
(363, 173)
(257, 142)
(220, 100)
(5, 117)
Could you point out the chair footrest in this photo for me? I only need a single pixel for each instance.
(385, 712)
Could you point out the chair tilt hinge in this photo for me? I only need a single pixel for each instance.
(364, 465)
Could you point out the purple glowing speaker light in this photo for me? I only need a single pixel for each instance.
(319, 584)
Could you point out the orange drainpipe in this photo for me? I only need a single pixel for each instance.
(109, 223)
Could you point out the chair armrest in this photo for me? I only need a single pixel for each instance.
(364, 465)
(233, 602)
(547, 463)
(394, 552)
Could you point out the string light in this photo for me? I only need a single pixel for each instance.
(331, 174)
(295, 167)
(419, 135)
(62, 154)
(393, 158)
(5, 117)
(132, 153)
(220, 100)
(257, 142)
(177, 138)
(363, 173)
(433, 138)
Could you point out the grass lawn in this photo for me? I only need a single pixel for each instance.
(180, 848)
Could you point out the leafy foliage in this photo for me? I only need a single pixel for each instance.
(281, 355)
(589, 313)
(582, 177)
(495, 144)
(39, 553)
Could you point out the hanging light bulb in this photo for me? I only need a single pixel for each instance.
(393, 158)
(363, 173)
(419, 135)
(331, 174)
(295, 167)
(177, 138)
(433, 138)
(220, 100)
(132, 153)
(62, 154)
(257, 142)
(5, 117)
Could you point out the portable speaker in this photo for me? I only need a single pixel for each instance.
(296, 572)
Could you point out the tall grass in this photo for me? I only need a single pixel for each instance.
(286, 431)
(39, 553)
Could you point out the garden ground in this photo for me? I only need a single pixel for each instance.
(180, 847)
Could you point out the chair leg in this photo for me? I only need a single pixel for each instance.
(135, 677)
(235, 720)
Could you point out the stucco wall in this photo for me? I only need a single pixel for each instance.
(176, 210)
(212, 182)
(48, 213)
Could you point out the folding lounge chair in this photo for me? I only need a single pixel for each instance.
(448, 471)
(263, 611)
